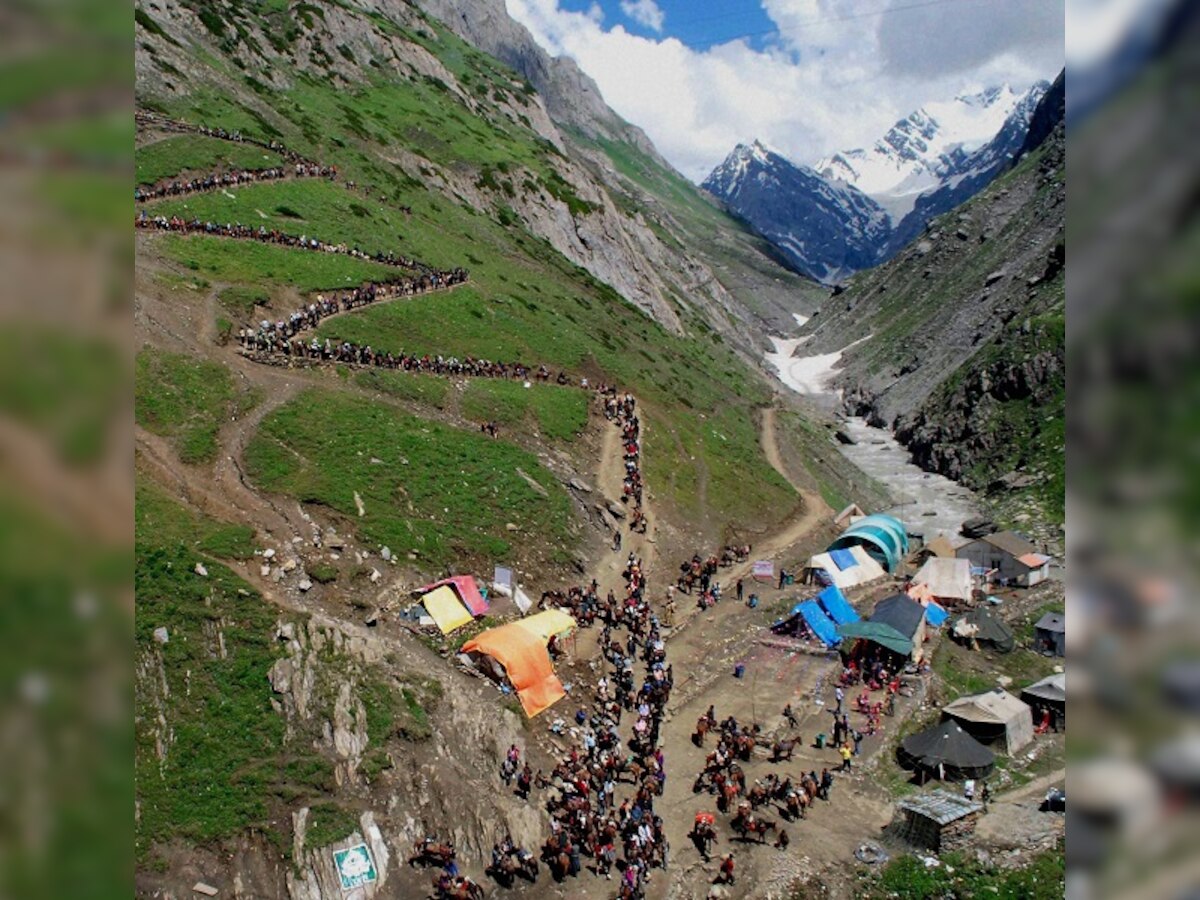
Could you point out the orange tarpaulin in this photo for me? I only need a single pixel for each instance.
(527, 662)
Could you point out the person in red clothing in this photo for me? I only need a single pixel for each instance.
(726, 874)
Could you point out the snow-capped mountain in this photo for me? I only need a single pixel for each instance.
(930, 145)
(826, 229)
(858, 208)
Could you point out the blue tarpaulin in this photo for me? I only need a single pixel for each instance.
(836, 605)
(935, 615)
(822, 626)
(843, 559)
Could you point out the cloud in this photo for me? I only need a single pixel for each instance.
(645, 12)
(837, 76)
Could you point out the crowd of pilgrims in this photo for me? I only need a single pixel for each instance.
(180, 225)
(621, 408)
(176, 187)
(623, 837)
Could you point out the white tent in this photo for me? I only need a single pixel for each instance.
(993, 715)
(859, 569)
(947, 579)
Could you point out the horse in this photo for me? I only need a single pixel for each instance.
(784, 748)
(702, 726)
(431, 853)
(458, 888)
(703, 835)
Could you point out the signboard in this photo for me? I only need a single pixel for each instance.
(503, 580)
(764, 570)
(354, 866)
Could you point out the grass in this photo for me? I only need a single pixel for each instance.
(963, 671)
(425, 389)
(225, 742)
(559, 413)
(187, 400)
(442, 492)
(329, 823)
(241, 300)
(322, 573)
(962, 876)
(197, 154)
(252, 263)
(171, 523)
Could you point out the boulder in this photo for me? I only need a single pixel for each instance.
(162, 635)
(305, 585)
(578, 484)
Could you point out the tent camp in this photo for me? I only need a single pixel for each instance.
(847, 568)
(522, 653)
(898, 623)
(1050, 634)
(948, 580)
(948, 752)
(466, 589)
(883, 537)
(982, 627)
(992, 716)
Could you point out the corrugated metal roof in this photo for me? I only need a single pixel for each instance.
(1010, 542)
(941, 806)
(1033, 560)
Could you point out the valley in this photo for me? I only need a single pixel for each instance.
(455, 452)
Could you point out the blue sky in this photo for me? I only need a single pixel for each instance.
(698, 25)
(807, 77)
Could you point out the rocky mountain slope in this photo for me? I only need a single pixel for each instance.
(827, 229)
(876, 201)
(964, 356)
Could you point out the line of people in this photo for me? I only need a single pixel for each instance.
(180, 225)
(175, 187)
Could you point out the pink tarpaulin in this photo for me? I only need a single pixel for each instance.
(467, 590)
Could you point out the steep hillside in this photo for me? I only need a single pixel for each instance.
(965, 352)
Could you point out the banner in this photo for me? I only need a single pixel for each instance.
(764, 570)
(354, 866)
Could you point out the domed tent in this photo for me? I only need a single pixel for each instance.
(883, 537)
(947, 751)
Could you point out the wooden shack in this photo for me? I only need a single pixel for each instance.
(937, 820)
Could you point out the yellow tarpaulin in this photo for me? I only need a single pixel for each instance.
(444, 608)
(547, 624)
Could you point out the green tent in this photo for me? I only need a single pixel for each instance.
(880, 633)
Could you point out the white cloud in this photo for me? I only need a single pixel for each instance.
(837, 77)
(645, 12)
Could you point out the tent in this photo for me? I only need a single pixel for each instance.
(881, 634)
(981, 625)
(525, 659)
(836, 605)
(547, 624)
(822, 626)
(445, 610)
(935, 615)
(846, 568)
(994, 715)
(884, 537)
(948, 751)
(1050, 633)
(467, 590)
(1050, 691)
(947, 579)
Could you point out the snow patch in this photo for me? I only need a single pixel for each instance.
(806, 375)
